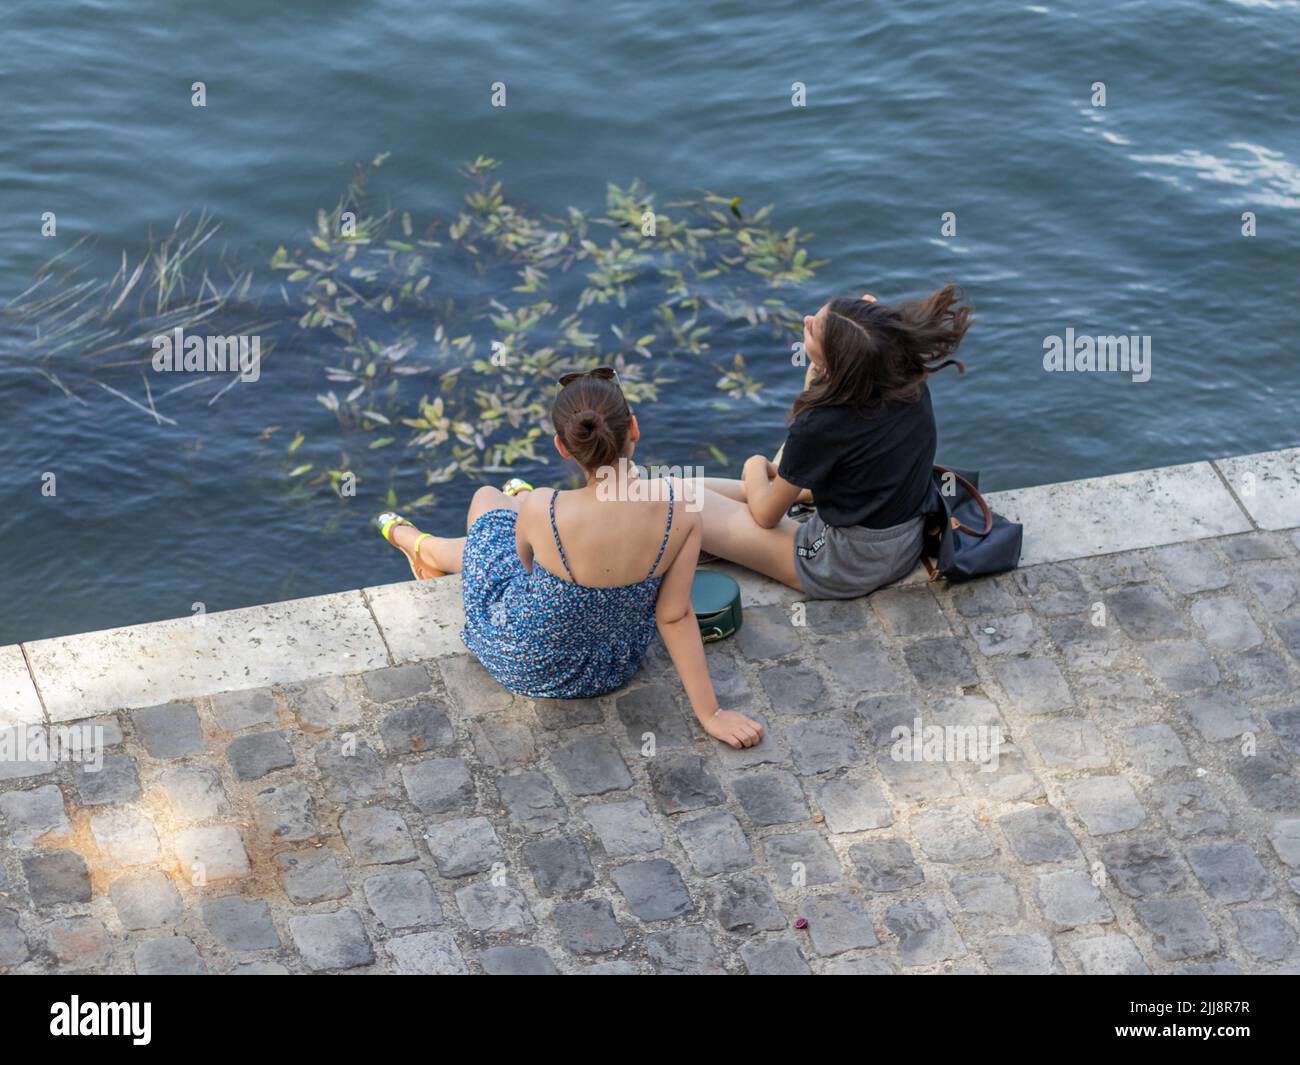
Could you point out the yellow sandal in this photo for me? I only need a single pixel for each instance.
(420, 569)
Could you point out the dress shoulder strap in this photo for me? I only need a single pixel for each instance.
(559, 546)
(667, 530)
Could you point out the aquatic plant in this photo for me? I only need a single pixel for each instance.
(439, 341)
(68, 321)
(639, 288)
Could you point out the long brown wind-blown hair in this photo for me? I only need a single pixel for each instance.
(876, 353)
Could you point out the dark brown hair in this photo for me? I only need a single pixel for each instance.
(592, 420)
(877, 353)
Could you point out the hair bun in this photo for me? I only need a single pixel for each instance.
(592, 419)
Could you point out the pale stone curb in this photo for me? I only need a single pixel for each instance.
(144, 665)
(1123, 512)
(419, 619)
(350, 632)
(1267, 485)
(19, 704)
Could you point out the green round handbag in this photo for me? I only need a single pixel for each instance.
(715, 598)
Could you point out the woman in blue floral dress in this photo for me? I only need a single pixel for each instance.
(563, 591)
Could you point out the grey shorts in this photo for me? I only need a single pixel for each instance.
(844, 562)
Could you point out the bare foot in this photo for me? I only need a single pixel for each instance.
(733, 728)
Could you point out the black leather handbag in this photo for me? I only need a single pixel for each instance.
(963, 537)
(715, 598)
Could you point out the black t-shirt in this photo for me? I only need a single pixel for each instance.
(865, 466)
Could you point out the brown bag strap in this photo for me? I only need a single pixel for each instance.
(975, 495)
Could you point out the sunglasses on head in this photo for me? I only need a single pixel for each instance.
(605, 373)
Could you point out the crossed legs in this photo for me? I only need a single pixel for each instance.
(731, 532)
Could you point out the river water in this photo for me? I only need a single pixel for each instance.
(1117, 219)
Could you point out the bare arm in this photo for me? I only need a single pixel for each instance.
(681, 635)
(768, 495)
(522, 523)
(680, 630)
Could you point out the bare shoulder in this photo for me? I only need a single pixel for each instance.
(685, 519)
(534, 507)
(538, 498)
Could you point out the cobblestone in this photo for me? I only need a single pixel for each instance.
(403, 900)
(311, 876)
(1142, 815)
(256, 754)
(195, 793)
(560, 865)
(36, 815)
(245, 709)
(170, 731)
(146, 900)
(241, 924)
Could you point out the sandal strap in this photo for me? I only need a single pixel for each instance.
(387, 527)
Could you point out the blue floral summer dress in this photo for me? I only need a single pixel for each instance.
(543, 636)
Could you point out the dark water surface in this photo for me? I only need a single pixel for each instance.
(1117, 220)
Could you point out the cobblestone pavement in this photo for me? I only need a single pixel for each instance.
(1143, 816)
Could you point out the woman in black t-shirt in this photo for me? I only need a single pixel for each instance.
(861, 443)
